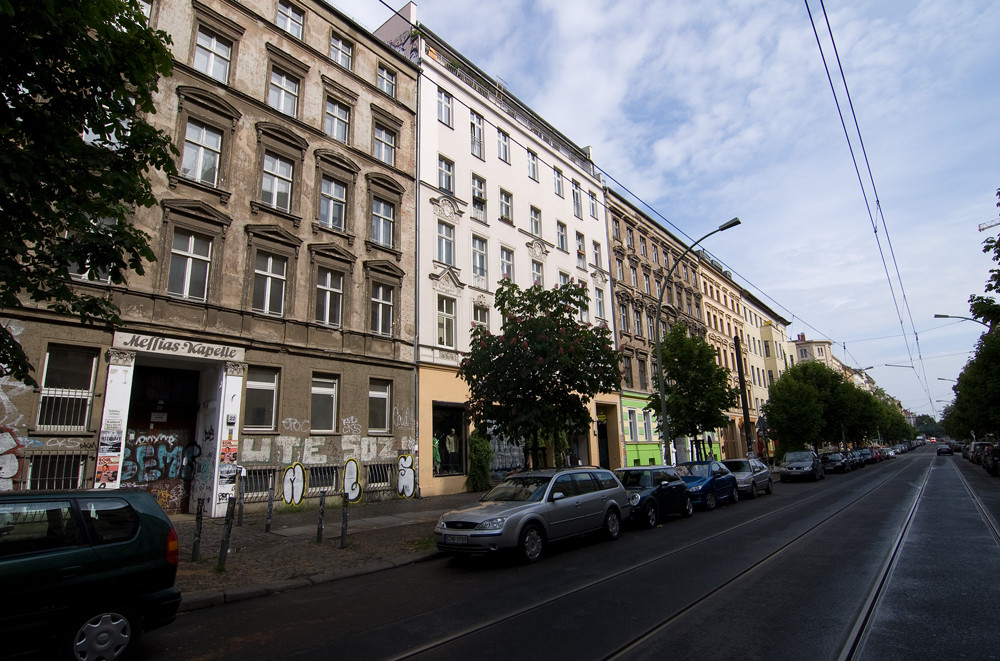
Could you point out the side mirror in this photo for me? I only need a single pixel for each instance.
(558, 495)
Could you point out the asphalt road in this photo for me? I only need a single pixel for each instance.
(897, 560)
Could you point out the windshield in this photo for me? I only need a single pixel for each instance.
(634, 479)
(798, 456)
(693, 470)
(528, 489)
(737, 466)
(833, 456)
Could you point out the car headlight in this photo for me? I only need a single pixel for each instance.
(633, 499)
(696, 487)
(441, 522)
(492, 524)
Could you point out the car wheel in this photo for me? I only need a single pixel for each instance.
(651, 517)
(736, 494)
(688, 507)
(710, 501)
(612, 525)
(769, 489)
(753, 489)
(110, 634)
(532, 543)
(822, 474)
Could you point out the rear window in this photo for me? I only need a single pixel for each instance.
(31, 527)
(606, 479)
(109, 520)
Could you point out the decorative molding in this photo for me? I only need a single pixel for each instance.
(236, 369)
(120, 357)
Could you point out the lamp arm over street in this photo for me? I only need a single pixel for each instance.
(951, 316)
(659, 331)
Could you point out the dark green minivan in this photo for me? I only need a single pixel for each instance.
(84, 573)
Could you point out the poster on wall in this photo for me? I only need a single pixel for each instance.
(111, 442)
(228, 470)
(107, 471)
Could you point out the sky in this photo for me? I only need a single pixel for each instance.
(709, 110)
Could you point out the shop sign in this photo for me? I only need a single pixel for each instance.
(173, 347)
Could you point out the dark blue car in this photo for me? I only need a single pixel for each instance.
(709, 482)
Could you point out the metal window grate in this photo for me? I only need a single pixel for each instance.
(322, 478)
(64, 409)
(57, 471)
(254, 486)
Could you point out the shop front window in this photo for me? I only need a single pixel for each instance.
(450, 445)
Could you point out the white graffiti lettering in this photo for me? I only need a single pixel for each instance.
(350, 425)
(293, 484)
(311, 451)
(259, 455)
(293, 424)
(402, 419)
(406, 484)
(352, 487)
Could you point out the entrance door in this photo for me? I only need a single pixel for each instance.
(160, 444)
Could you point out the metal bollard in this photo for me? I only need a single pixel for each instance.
(196, 545)
(343, 522)
(270, 502)
(239, 503)
(227, 531)
(322, 511)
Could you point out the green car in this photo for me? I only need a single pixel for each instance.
(84, 573)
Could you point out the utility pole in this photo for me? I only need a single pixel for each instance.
(748, 428)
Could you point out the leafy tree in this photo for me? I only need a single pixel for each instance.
(927, 425)
(986, 308)
(794, 414)
(480, 456)
(532, 382)
(976, 408)
(697, 389)
(76, 81)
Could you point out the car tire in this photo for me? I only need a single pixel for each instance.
(735, 498)
(753, 489)
(650, 515)
(111, 633)
(688, 510)
(769, 489)
(710, 502)
(531, 544)
(612, 525)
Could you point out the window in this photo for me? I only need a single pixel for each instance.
(383, 222)
(599, 302)
(533, 165)
(446, 175)
(506, 206)
(481, 316)
(620, 269)
(338, 121)
(379, 399)
(645, 282)
(290, 18)
(387, 80)
(626, 319)
(202, 153)
(332, 203)
(638, 323)
(651, 321)
(39, 527)
(584, 311)
(212, 55)
(506, 263)
(597, 254)
(577, 200)
(630, 237)
(478, 199)
(276, 184)
(446, 243)
(323, 409)
(445, 107)
(479, 259)
(562, 236)
(446, 322)
(642, 246)
(381, 321)
(616, 229)
(384, 145)
(647, 423)
(269, 283)
(593, 205)
(283, 92)
(190, 255)
(329, 297)
(261, 398)
(536, 222)
(557, 181)
(642, 376)
(67, 391)
(341, 51)
(656, 255)
(476, 130)
(563, 279)
(627, 378)
(503, 146)
(537, 275)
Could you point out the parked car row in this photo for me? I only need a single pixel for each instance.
(985, 454)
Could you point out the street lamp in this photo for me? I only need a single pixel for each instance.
(941, 378)
(659, 327)
(951, 316)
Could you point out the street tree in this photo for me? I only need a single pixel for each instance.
(794, 414)
(697, 389)
(77, 79)
(532, 382)
(977, 393)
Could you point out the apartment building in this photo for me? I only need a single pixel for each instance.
(274, 335)
(500, 194)
(766, 352)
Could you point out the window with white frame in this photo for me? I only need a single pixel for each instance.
(479, 258)
(332, 203)
(616, 228)
(599, 302)
(627, 379)
(597, 254)
(638, 323)
(190, 256)
(445, 107)
(387, 80)
(536, 221)
(381, 317)
(384, 145)
(642, 246)
(446, 243)
(620, 269)
(647, 420)
(379, 405)
(537, 273)
(593, 205)
(645, 282)
(481, 316)
(276, 183)
(633, 426)
(626, 319)
(651, 321)
(584, 310)
(446, 322)
(476, 128)
(635, 277)
(341, 51)
(506, 206)
(269, 283)
(478, 198)
(577, 200)
(337, 121)
(562, 236)
(290, 18)
(202, 153)
(581, 251)
(283, 92)
(563, 278)
(630, 237)
(329, 296)
(503, 146)
(213, 54)
(446, 175)
(323, 406)
(533, 165)
(261, 398)
(383, 222)
(656, 254)
(67, 392)
(557, 181)
(506, 263)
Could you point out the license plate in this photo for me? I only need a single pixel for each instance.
(456, 539)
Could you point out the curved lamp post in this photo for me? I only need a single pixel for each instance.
(951, 316)
(659, 326)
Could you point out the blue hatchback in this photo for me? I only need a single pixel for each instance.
(709, 482)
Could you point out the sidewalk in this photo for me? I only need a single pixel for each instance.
(380, 535)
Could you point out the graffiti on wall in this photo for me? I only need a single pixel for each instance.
(151, 457)
(10, 388)
(10, 463)
(406, 482)
(169, 495)
(293, 484)
(71, 443)
(352, 484)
